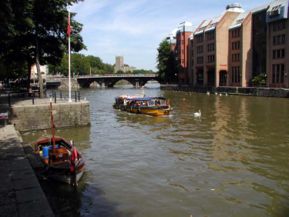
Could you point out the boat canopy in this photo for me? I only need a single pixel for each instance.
(149, 98)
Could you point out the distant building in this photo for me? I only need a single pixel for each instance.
(43, 70)
(277, 44)
(211, 48)
(191, 62)
(259, 40)
(235, 47)
(172, 39)
(240, 51)
(120, 66)
(183, 34)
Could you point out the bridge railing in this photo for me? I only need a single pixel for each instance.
(118, 75)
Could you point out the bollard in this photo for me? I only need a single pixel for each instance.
(75, 96)
(78, 95)
(33, 98)
(55, 97)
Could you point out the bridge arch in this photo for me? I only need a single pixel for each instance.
(94, 84)
(124, 81)
(152, 83)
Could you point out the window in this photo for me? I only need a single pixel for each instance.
(236, 57)
(279, 25)
(211, 58)
(211, 47)
(279, 39)
(210, 35)
(278, 73)
(236, 45)
(199, 49)
(236, 75)
(200, 60)
(199, 38)
(235, 33)
(278, 54)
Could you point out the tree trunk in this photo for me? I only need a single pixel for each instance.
(39, 75)
(29, 75)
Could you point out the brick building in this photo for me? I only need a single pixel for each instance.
(185, 30)
(235, 47)
(211, 49)
(240, 51)
(277, 44)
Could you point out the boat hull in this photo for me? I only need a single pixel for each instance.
(155, 112)
(150, 111)
(65, 178)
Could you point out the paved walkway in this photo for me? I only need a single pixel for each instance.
(20, 191)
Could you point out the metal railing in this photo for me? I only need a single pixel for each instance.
(118, 75)
(10, 98)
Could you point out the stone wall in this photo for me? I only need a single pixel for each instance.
(27, 117)
(244, 91)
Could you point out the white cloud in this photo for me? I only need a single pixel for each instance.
(134, 29)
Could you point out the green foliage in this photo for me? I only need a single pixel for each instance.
(81, 65)
(167, 64)
(259, 80)
(35, 29)
(143, 71)
(13, 71)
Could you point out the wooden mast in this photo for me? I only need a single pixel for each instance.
(52, 126)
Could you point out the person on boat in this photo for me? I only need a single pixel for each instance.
(73, 159)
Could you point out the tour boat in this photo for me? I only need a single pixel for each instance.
(122, 101)
(155, 106)
(62, 161)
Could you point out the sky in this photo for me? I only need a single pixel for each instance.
(134, 28)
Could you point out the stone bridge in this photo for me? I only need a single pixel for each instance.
(109, 80)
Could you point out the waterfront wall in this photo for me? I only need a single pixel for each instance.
(20, 192)
(27, 117)
(244, 91)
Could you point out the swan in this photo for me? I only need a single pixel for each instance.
(208, 93)
(198, 114)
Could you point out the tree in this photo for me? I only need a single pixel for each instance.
(35, 32)
(81, 65)
(143, 71)
(167, 64)
(259, 80)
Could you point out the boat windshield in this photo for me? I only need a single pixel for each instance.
(157, 102)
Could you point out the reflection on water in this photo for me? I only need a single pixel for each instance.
(232, 161)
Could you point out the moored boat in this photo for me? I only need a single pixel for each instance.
(61, 159)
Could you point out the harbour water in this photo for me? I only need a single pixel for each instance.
(232, 161)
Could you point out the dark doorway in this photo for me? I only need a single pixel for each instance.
(200, 77)
(211, 77)
(223, 78)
